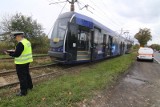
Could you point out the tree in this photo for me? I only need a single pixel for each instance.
(136, 46)
(143, 36)
(5, 23)
(155, 46)
(19, 22)
(33, 31)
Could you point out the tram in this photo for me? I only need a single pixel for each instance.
(77, 38)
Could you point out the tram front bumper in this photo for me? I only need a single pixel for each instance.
(56, 54)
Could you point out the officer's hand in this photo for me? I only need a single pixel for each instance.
(6, 52)
(10, 51)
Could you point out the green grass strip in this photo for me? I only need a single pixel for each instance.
(4, 56)
(69, 89)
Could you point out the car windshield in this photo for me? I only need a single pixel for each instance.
(60, 29)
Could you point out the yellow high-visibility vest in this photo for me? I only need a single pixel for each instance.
(26, 56)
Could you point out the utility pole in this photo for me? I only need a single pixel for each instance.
(121, 32)
(127, 35)
(72, 2)
(72, 8)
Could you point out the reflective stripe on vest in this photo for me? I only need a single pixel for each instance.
(26, 56)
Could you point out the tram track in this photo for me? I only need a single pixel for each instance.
(8, 59)
(7, 64)
(34, 56)
(36, 77)
(10, 75)
(4, 73)
(53, 73)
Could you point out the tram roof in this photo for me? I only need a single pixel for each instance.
(94, 22)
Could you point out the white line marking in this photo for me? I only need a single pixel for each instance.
(156, 60)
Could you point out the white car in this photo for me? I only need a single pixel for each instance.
(145, 53)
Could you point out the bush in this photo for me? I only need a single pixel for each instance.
(40, 45)
(155, 46)
(136, 46)
(5, 45)
(40, 50)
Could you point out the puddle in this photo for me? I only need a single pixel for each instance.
(134, 81)
(136, 74)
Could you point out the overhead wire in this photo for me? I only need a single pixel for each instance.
(62, 8)
(58, 16)
(98, 16)
(113, 15)
(113, 23)
(104, 14)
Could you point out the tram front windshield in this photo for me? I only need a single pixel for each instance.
(59, 31)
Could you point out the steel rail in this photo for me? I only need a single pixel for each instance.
(55, 74)
(33, 56)
(36, 77)
(34, 67)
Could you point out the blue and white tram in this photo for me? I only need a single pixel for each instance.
(77, 38)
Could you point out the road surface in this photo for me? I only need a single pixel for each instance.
(157, 57)
(139, 88)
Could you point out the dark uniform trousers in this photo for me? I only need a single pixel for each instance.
(24, 77)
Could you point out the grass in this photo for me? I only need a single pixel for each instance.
(3, 56)
(70, 89)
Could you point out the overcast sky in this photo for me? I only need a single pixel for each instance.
(115, 14)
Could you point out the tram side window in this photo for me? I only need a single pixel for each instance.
(100, 40)
(107, 39)
(82, 36)
(83, 39)
(98, 37)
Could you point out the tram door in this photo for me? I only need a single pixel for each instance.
(71, 42)
(83, 44)
(121, 48)
(110, 42)
(104, 44)
(93, 46)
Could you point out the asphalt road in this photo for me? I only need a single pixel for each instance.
(157, 57)
(139, 88)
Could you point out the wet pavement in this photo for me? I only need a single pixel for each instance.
(139, 88)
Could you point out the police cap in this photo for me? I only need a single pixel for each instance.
(14, 34)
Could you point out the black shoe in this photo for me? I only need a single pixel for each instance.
(21, 94)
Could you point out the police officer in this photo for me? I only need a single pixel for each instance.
(22, 58)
